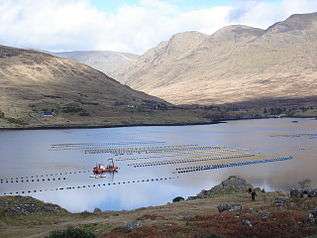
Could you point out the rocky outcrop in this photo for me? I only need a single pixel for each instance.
(19, 205)
(231, 185)
(300, 193)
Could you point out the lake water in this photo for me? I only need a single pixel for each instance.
(55, 165)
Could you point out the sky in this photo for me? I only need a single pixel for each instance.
(130, 25)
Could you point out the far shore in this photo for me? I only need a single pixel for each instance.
(70, 126)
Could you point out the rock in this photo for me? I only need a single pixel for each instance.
(231, 185)
(178, 199)
(192, 198)
(97, 211)
(19, 205)
(231, 207)
(246, 222)
(133, 225)
(280, 201)
(314, 212)
(295, 193)
(312, 216)
(300, 193)
(264, 215)
(312, 193)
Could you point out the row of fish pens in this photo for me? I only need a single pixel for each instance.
(154, 149)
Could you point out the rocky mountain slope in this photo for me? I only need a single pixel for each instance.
(109, 62)
(38, 89)
(236, 63)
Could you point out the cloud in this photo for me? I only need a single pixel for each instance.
(64, 25)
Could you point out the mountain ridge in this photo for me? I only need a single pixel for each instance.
(236, 63)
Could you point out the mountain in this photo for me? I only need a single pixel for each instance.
(236, 63)
(38, 89)
(109, 62)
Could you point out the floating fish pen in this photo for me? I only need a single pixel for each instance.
(229, 165)
(190, 160)
(154, 149)
(83, 146)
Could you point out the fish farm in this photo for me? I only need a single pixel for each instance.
(134, 163)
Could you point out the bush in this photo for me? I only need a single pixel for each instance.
(72, 109)
(178, 199)
(15, 120)
(1, 114)
(72, 233)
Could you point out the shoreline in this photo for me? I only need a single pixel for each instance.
(66, 127)
(55, 127)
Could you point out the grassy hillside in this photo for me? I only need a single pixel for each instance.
(38, 89)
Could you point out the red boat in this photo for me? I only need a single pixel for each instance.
(102, 169)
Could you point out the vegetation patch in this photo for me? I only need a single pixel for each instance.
(72, 233)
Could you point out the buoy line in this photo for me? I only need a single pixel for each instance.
(99, 185)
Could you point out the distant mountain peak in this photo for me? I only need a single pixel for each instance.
(109, 62)
(296, 22)
(236, 31)
(184, 42)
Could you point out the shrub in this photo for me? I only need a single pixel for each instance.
(72, 233)
(72, 109)
(178, 199)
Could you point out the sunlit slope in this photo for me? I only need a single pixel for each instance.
(237, 63)
(37, 89)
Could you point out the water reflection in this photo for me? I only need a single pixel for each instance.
(30, 153)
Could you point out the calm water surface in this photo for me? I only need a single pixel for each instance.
(60, 172)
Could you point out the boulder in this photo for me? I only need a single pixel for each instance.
(295, 193)
(264, 215)
(312, 193)
(230, 207)
(247, 222)
(312, 216)
(300, 193)
(133, 225)
(97, 211)
(280, 201)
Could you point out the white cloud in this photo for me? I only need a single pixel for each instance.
(60, 25)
